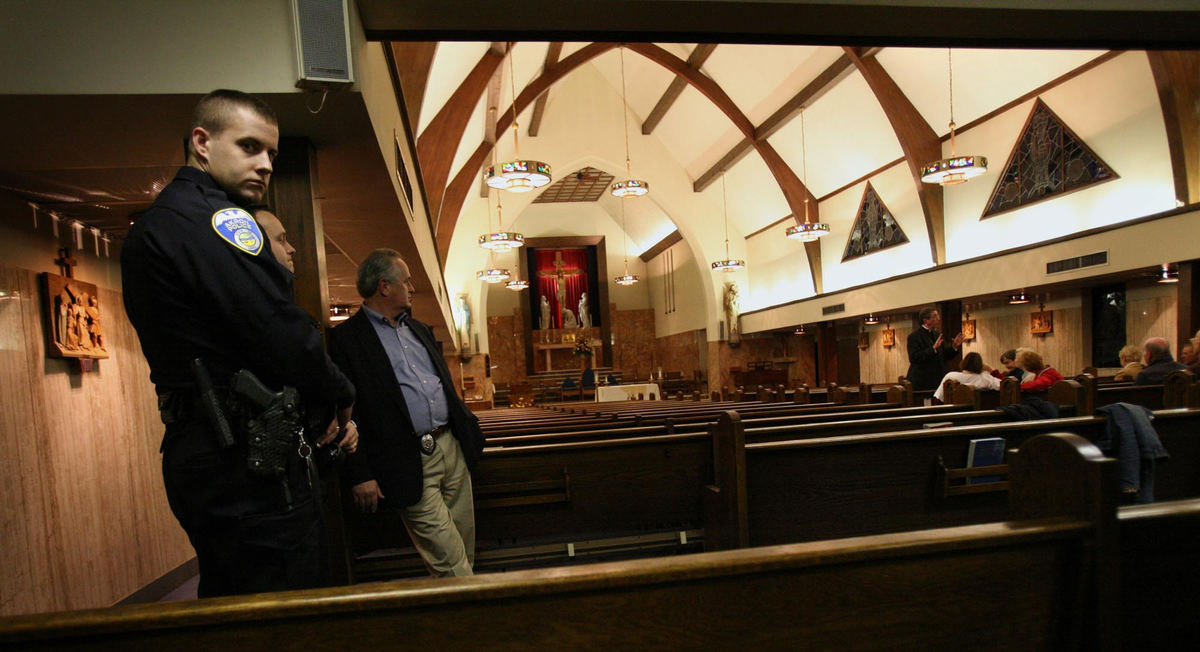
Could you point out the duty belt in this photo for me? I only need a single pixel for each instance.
(428, 445)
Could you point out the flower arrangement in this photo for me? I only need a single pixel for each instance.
(582, 348)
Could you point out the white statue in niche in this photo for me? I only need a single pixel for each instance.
(545, 313)
(464, 325)
(732, 312)
(585, 315)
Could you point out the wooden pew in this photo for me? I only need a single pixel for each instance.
(809, 489)
(1159, 545)
(1042, 582)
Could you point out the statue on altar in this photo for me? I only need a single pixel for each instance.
(569, 320)
(732, 313)
(544, 307)
(585, 315)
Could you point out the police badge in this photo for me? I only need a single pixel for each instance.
(427, 443)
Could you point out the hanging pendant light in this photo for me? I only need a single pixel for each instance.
(626, 278)
(806, 231)
(630, 187)
(516, 284)
(517, 175)
(727, 264)
(956, 169)
(491, 274)
(499, 240)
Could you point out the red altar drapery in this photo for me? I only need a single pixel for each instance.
(574, 280)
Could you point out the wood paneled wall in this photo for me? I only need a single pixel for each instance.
(1152, 312)
(877, 364)
(83, 518)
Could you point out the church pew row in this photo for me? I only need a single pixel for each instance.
(917, 416)
(1159, 544)
(809, 489)
(540, 497)
(1045, 580)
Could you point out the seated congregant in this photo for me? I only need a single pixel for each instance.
(1044, 374)
(971, 374)
(1131, 358)
(1008, 360)
(1159, 362)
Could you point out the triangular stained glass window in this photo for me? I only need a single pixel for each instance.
(874, 228)
(1048, 160)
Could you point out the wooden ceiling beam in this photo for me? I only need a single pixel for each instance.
(539, 107)
(794, 191)
(495, 86)
(456, 191)
(821, 84)
(438, 144)
(675, 89)
(1177, 77)
(414, 59)
(918, 141)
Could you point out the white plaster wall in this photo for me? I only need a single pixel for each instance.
(1114, 109)
(688, 314)
(1129, 247)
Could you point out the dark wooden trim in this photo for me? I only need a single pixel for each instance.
(292, 195)
(539, 107)
(918, 141)
(1066, 238)
(823, 82)
(1187, 313)
(413, 60)
(675, 89)
(661, 246)
(438, 143)
(879, 23)
(167, 582)
(1177, 77)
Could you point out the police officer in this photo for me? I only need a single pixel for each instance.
(201, 282)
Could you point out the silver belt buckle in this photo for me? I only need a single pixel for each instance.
(427, 443)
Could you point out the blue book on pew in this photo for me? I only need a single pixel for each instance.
(985, 452)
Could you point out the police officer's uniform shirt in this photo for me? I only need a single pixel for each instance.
(418, 378)
(200, 281)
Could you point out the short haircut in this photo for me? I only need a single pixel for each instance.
(1158, 347)
(926, 313)
(973, 363)
(1010, 354)
(380, 265)
(1030, 360)
(213, 110)
(255, 209)
(1130, 353)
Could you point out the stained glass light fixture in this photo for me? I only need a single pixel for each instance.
(1018, 298)
(500, 240)
(491, 274)
(806, 231)
(956, 169)
(626, 278)
(726, 264)
(871, 319)
(517, 175)
(629, 187)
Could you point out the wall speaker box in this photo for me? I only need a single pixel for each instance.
(322, 43)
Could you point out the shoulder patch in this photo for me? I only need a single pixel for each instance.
(236, 227)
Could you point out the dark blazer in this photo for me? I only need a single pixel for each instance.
(1156, 372)
(926, 366)
(388, 449)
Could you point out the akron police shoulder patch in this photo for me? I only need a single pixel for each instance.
(236, 227)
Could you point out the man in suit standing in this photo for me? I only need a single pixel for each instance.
(417, 439)
(928, 351)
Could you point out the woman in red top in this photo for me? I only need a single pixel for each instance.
(1044, 375)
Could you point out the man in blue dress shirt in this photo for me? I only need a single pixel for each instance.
(417, 439)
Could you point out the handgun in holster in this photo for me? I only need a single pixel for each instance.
(273, 425)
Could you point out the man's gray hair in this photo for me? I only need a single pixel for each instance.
(380, 265)
(1158, 348)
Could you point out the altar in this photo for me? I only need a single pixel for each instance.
(626, 392)
(549, 347)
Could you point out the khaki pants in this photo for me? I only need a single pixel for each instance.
(442, 522)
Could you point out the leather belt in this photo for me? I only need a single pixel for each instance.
(428, 445)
